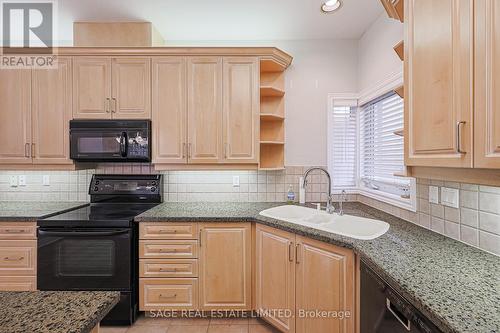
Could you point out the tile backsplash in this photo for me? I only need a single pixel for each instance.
(476, 221)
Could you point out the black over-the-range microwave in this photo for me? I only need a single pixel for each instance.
(110, 140)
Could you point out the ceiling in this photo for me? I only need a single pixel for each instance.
(226, 20)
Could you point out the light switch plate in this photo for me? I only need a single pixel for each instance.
(22, 180)
(236, 181)
(46, 180)
(434, 194)
(450, 197)
(13, 181)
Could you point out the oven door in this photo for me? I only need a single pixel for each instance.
(84, 259)
(99, 144)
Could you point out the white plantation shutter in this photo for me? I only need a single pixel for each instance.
(342, 144)
(382, 151)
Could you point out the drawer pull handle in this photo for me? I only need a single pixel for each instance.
(15, 231)
(168, 270)
(168, 296)
(13, 259)
(168, 250)
(168, 231)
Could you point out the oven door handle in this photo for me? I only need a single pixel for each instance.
(81, 233)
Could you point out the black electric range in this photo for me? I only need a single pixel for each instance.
(96, 247)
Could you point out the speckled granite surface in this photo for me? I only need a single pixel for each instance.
(54, 311)
(455, 285)
(25, 211)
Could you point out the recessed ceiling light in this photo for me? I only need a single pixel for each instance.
(330, 6)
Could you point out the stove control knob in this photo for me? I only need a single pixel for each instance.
(97, 182)
(153, 189)
(96, 189)
(153, 183)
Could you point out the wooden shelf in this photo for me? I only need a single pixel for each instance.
(394, 9)
(273, 131)
(272, 157)
(272, 169)
(399, 6)
(271, 92)
(271, 117)
(400, 50)
(272, 143)
(399, 132)
(272, 106)
(400, 91)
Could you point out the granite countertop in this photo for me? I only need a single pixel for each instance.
(26, 211)
(455, 285)
(54, 311)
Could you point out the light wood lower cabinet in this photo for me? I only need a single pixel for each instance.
(225, 266)
(301, 275)
(18, 249)
(275, 276)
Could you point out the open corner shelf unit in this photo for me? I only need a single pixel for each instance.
(272, 115)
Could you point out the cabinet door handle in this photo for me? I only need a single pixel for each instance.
(189, 150)
(184, 150)
(297, 252)
(290, 251)
(108, 105)
(168, 296)
(13, 259)
(26, 150)
(199, 236)
(459, 137)
(113, 109)
(15, 231)
(33, 150)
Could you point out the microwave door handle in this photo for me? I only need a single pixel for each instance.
(81, 233)
(123, 144)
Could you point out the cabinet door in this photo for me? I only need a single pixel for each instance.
(487, 84)
(205, 109)
(15, 116)
(324, 281)
(225, 266)
(439, 82)
(91, 88)
(52, 111)
(169, 110)
(131, 88)
(275, 276)
(241, 110)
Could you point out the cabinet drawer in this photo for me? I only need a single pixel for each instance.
(13, 230)
(17, 283)
(168, 249)
(168, 231)
(165, 294)
(17, 258)
(168, 268)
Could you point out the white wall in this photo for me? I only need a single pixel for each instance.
(377, 60)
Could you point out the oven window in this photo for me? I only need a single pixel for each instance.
(80, 257)
(88, 145)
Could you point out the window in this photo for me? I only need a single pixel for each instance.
(342, 145)
(381, 150)
(364, 153)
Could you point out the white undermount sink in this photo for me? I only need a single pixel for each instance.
(345, 225)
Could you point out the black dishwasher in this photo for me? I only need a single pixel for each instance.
(385, 311)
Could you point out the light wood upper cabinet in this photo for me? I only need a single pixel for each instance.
(324, 280)
(205, 109)
(241, 110)
(51, 112)
(169, 116)
(275, 276)
(225, 266)
(92, 88)
(487, 84)
(15, 116)
(131, 85)
(439, 83)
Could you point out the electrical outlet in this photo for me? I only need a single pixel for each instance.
(450, 197)
(22, 180)
(434, 194)
(13, 181)
(46, 180)
(236, 181)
